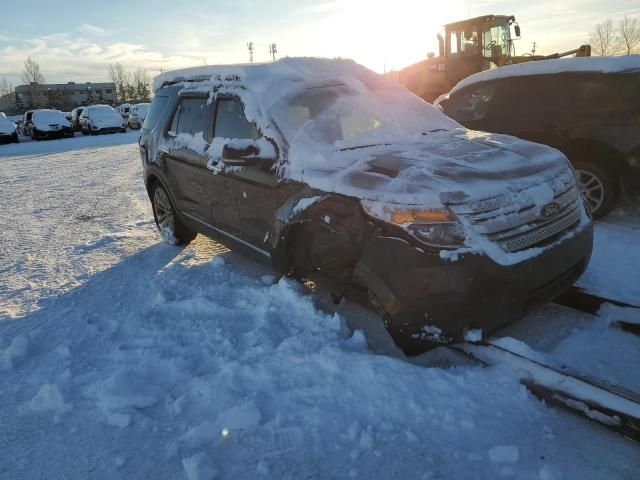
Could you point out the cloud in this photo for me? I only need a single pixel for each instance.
(4, 38)
(64, 57)
(93, 30)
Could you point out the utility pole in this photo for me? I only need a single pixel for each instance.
(273, 50)
(250, 48)
(533, 50)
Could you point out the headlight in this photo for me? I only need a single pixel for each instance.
(437, 227)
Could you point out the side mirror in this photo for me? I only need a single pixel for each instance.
(248, 152)
(516, 29)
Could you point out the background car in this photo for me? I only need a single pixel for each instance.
(48, 124)
(589, 108)
(75, 118)
(8, 133)
(124, 109)
(137, 114)
(101, 119)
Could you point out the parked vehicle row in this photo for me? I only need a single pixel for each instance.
(339, 175)
(588, 108)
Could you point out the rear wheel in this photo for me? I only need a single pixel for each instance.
(173, 231)
(598, 188)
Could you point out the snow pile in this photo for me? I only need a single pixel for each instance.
(625, 63)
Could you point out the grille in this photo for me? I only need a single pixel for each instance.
(540, 234)
(514, 226)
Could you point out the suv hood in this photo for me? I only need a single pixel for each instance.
(448, 167)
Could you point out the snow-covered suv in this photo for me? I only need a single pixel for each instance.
(327, 171)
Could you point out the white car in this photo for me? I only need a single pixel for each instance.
(137, 114)
(8, 133)
(101, 119)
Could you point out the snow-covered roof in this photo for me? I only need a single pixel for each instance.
(259, 74)
(560, 65)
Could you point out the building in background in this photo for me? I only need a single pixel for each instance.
(64, 96)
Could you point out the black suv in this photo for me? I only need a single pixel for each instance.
(326, 171)
(589, 108)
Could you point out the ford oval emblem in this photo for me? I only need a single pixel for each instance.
(550, 210)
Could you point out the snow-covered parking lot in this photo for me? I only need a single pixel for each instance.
(123, 357)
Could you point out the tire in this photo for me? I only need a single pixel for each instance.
(171, 228)
(598, 186)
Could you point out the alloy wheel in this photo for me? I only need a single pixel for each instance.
(591, 188)
(164, 215)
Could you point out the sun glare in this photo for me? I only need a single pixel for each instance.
(390, 35)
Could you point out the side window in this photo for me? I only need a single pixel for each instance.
(471, 104)
(192, 117)
(531, 102)
(231, 121)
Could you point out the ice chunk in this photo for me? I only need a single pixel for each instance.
(504, 454)
(199, 467)
(15, 352)
(49, 398)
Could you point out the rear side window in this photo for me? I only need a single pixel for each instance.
(192, 116)
(606, 97)
(231, 122)
(157, 106)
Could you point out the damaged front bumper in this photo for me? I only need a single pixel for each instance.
(425, 297)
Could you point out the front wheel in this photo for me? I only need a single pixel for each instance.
(598, 188)
(173, 231)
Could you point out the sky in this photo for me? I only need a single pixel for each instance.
(79, 41)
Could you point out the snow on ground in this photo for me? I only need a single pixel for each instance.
(614, 270)
(123, 357)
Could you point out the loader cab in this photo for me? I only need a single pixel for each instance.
(477, 44)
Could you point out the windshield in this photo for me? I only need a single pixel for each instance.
(345, 118)
(496, 41)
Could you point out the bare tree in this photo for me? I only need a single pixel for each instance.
(603, 38)
(120, 77)
(629, 33)
(33, 77)
(141, 82)
(6, 87)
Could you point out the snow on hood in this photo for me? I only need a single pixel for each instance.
(104, 116)
(6, 125)
(48, 119)
(627, 63)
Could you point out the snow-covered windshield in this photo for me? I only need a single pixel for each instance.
(104, 113)
(346, 118)
(43, 118)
